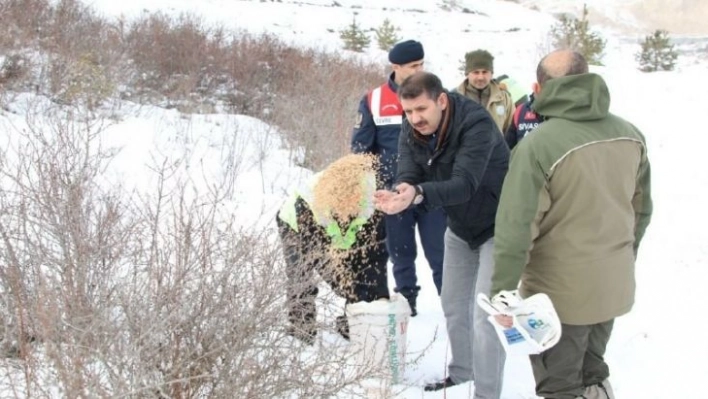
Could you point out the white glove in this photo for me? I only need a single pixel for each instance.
(505, 300)
(502, 303)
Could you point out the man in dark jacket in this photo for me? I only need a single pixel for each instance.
(574, 208)
(452, 156)
(377, 132)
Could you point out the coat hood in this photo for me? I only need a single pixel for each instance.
(577, 97)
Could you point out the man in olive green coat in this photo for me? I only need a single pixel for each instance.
(574, 207)
(480, 87)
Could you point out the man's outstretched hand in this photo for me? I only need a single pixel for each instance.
(393, 202)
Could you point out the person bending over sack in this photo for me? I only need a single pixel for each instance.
(329, 225)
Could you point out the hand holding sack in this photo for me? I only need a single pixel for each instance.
(536, 326)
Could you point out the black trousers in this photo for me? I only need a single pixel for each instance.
(575, 362)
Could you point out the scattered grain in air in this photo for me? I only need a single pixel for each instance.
(338, 194)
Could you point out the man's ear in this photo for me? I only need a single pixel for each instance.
(536, 87)
(443, 101)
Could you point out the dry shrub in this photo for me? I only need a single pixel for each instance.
(22, 22)
(67, 26)
(73, 29)
(87, 58)
(312, 96)
(321, 102)
(176, 57)
(59, 36)
(257, 66)
(13, 70)
(167, 47)
(81, 81)
(153, 294)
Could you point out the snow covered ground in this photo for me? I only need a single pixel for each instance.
(658, 351)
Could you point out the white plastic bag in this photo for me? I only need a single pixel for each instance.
(536, 326)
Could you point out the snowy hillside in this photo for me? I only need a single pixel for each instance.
(632, 17)
(651, 348)
(446, 35)
(516, 32)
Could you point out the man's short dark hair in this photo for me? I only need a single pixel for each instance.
(574, 65)
(421, 83)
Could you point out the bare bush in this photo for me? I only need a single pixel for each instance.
(179, 62)
(310, 95)
(73, 29)
(155, 293)
(258, 66)
(80, 81)
(105, 292)
(322, 120)
(61, 37)
(22, 22)
(13, 70)
(176, 57)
